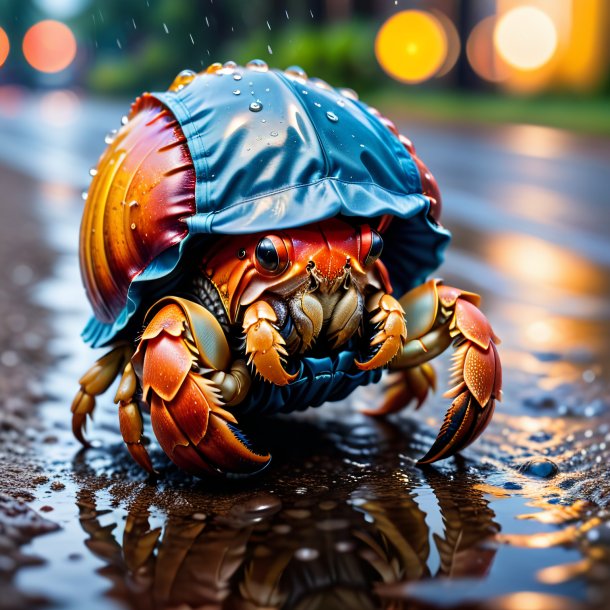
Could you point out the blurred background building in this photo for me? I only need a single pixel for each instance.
(539, 61)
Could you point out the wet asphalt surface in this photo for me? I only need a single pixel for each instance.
(343, 517)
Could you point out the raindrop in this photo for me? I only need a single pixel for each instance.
(124, 119)
(134, 24)
(236, 91)
(311, 13)
(273, 134)
(93, 172)
(166, 28)
(306, 554)
(257, 64)
(192, 39)
(269, 26)
(229, 65)
(207, 21)
(331, 116)
(287, 15)
(296, 71)
(182, 80)
(539, 467)
(256, 107)
(269, 49)
(84, 195)
(118, 43)
(237, 77)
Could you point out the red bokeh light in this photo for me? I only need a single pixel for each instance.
(49, 46)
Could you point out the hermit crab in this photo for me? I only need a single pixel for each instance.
(255, 241)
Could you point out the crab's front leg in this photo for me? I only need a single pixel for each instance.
(438, 316)
(184, 364)
(265, 346)
(391, 335)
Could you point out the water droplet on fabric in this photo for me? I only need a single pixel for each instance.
(237, 77)
(255, 107)
(133, 226)
(236, 91)
(317, 104)
(341, 103)
(258, 64)
(331, 116)
(273, 134)
(296, 71)
(182, 79)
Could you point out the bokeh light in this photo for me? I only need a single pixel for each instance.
(5, 46)
(453, 44)
(481, 53)
(411, 46)
(49, 46)
(526, 37)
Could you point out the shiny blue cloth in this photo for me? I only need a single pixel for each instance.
(272, 152)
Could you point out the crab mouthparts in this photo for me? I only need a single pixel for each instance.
(329, 281)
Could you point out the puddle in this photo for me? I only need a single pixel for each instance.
(342, 518)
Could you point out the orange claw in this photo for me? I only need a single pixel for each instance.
(392, 333)
(186, 412)
(477, 378)
(264, 344)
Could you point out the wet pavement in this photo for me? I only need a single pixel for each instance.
(343, 518)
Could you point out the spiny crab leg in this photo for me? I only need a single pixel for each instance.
(95, 382)
(438, 316)
(183, 344)
(392, 334)
(264, 344)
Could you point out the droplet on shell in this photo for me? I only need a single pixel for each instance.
(124, 119)
(296, 71)
(256, 106)
(258, 64)
(84, 195)
(93, 172)
(109, 137)
(184, 78)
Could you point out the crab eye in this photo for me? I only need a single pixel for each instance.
(271, 255)
(375, 249)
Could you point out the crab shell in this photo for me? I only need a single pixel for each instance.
(240, 150)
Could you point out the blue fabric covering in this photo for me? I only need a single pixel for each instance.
(309, 154)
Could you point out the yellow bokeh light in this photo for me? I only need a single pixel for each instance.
(4, 46)
(526, 38)
(411, 46)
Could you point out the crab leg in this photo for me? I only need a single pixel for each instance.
(392, 334)
(264, 344)
(438, 316)
(93, 383)
(181, 346)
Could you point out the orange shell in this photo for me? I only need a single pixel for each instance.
(143, 191)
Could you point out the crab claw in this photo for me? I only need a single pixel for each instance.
(392, 334)
(264, 344)
(186, 408)
(477, 377)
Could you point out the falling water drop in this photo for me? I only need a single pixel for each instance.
(166, 28)
(256, 106)
(269, 49)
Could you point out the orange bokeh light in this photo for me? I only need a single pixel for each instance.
(49, 46)
(5, 46)
(411, 46)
